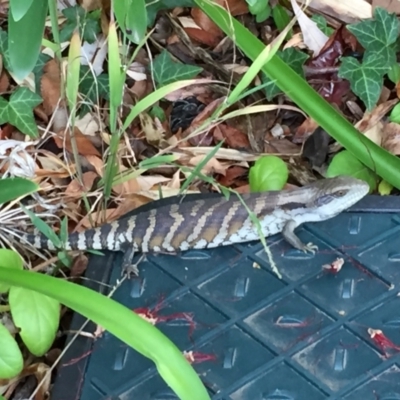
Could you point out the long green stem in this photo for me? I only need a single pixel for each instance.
(382, 162)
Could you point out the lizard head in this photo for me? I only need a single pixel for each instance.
(334, 195)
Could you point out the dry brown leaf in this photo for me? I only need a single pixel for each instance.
(393, 6)
(85, 146)
(391, 138)
(50, 86)
(371, 124)
(234, 138)
(203, 138)
(212, 166)
(4, 82)
(202, 36)
(79, 265)
(154, 133)
(97, 163)
(305, 130)
(74, 189)
(98, 218)
(232, 176)
(206, 24)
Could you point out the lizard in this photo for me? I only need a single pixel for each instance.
(213, 222)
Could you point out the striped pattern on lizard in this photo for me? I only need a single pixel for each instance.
(210, 223)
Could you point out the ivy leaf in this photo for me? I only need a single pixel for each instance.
(18, 111)
(77, 17)
(93, 88)
(322, 24)
(294, 59)
(366, 79)
(167, 71)
(378, 35)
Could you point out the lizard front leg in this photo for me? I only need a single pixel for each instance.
(293, 239)
(129, 268)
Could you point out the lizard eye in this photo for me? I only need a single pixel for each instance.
(340, 193)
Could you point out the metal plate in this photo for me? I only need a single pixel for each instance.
(304, 336)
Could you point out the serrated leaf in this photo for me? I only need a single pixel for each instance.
(166, 71)
(344, 163)
(378, 35)
(37, 316)
(19, 110)
(294, 59)
(9, 259)
(268, 173)
(11, 360)
(366, 79)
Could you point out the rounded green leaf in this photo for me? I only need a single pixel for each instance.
(11, 360)
(37, 316)
(268, 173)
(9, 259)
(132, 18)
(344, 163)
(395, 114)
(12, 188)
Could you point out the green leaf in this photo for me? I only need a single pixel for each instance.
(19, 8)
(121, 322)
(131, 16)
(12, 188)
(395, 114)
(9, 259)
(384, 188)
(37, 316)
(322, 24)
(294, 59)
(77, 17)
(378, 35)
(4, 49)
(93, 88)
(19, 110)
(366, 79)
(281, 18)
(11, 360)
(260, 8)
(167, 71)
(153, 7)
(25, 38)
(268, 173)
(344, 163)
(394, 73)
(43, 228)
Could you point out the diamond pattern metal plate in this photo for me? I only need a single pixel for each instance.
(255, 336)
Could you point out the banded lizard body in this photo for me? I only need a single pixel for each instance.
(209, 223)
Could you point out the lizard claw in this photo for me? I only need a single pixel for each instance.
(130, 270)
(310, 247)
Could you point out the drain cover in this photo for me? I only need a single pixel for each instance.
(305, 336)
